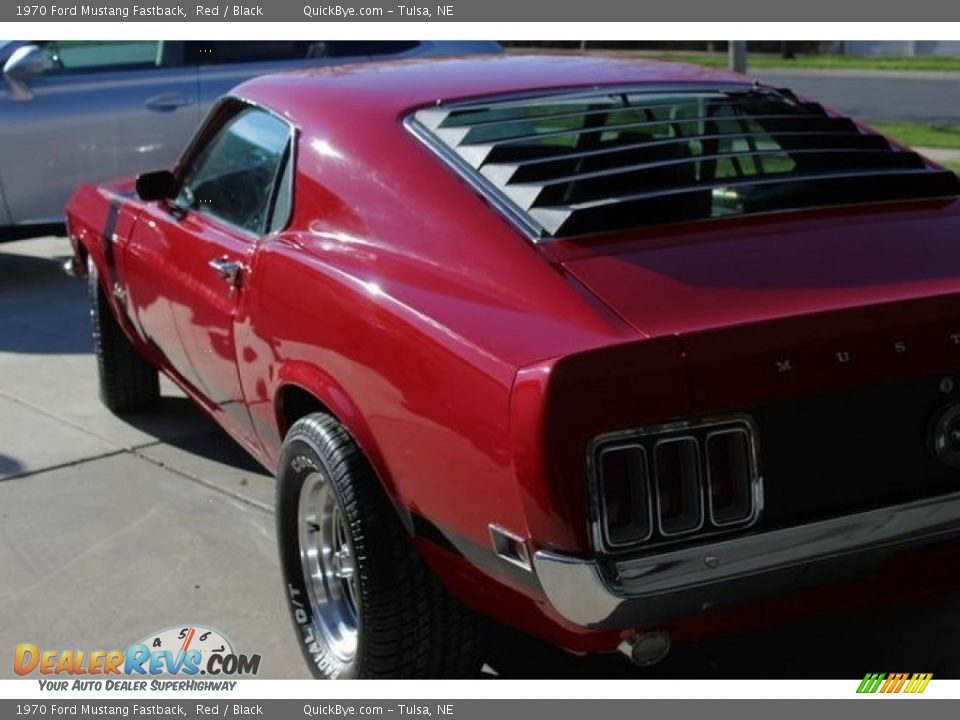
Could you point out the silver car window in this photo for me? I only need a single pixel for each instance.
(84, 56)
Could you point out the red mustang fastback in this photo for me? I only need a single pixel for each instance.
(603, 350)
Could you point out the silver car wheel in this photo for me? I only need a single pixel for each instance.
(329, 568)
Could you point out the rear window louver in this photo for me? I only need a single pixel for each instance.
(577, 163)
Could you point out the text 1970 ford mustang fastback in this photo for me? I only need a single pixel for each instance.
(595, 348)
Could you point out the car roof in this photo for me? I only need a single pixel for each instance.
(390, 88)
(493, 119)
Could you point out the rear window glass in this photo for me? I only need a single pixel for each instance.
(592, 162)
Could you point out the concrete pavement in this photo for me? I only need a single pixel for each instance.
(940, 155)
(112, 529)
(873, 95)
(885, 95)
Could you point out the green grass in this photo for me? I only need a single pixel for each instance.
(955, 166)
(920, 135)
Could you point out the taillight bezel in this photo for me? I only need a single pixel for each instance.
(700, 510)
(715, 521)
(648, 438)
(647, 490)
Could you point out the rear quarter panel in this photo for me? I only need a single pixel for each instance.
(412, 306)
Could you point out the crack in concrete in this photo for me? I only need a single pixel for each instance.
(66, 421)
(200, 481)
(134, 450)
(61, 466)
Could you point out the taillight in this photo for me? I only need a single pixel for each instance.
(625, 494)
(679, 486)
(674, 481)
(729, 476)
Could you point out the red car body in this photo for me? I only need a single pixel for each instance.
(475, 367)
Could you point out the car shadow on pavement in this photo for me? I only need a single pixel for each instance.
(9, 466)
(21, 271)
(179, 423)
(42, 311)
(28, 232)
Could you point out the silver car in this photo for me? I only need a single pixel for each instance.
(81, 111)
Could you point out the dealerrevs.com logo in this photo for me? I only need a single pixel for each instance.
(186, 651)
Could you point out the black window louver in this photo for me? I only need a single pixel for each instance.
(568, 164)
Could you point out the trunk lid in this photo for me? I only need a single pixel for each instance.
(806, 303)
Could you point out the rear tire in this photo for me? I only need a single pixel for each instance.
(363, 603)
(127, 381)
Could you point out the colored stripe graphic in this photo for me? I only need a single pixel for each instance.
(894, 683)
(925, 679)
(870, 683)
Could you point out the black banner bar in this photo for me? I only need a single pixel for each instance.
(737, 11)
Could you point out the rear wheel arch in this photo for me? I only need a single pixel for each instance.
(303, 390)
(294, 402)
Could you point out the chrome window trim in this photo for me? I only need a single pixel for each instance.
(503, 99)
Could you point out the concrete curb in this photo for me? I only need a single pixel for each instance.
(940, 154)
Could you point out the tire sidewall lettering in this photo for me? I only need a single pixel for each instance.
(300, 461)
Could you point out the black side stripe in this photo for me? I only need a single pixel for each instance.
(109, 228)
(109, 256)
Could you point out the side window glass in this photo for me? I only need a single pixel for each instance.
(87, 56)
(233, 177)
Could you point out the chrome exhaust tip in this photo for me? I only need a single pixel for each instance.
(647, 648)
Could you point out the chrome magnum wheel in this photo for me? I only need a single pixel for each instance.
(362, 601)
(327, 561)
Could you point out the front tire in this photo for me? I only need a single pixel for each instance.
(127, 381)
(363, 603)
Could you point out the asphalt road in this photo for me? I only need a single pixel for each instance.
(868, 95)
(111, 529)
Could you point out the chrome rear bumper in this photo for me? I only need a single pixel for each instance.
(643, 591)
